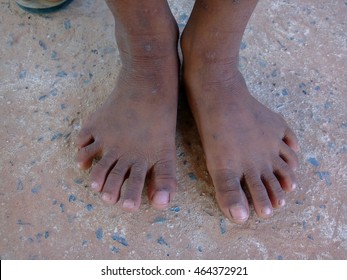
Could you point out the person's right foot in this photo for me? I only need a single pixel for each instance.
(134, 130)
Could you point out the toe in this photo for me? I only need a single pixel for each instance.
(85, 155)
(289, 156)
(291, 140)
(274, 189)
(230, 196)
(101, 169)
(84, 138)
(284, 174)
(163, 184)
(131, 196)
(114, 181)
(261, 201)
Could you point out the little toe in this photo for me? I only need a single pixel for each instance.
(163, 184)
(84, 138)
(114, 182)
(291, 140)
(131, 196)
(289, 156)
(274, 189)
(284, 174)
(261, 201)
(230, 196)
(85, 155)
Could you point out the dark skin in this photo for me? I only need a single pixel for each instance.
(245, 143)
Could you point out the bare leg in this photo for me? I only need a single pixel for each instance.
(134, 130)
(244, 142)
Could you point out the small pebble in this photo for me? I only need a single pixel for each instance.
(122, 240)
(99, 233)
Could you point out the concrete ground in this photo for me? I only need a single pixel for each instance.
(58, 68)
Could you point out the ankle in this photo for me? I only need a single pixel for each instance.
(200, 55)
(146, 52)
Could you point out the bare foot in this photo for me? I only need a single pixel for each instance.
(245, 143)
(134, 131)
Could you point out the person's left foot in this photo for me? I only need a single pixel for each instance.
(245, 143)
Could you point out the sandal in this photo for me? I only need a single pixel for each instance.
(42, 6)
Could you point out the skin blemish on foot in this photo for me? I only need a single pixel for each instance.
(148, 47)
(120, 239)
(99, 234)
(215, 136)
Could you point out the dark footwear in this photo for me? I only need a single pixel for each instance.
(42, 6)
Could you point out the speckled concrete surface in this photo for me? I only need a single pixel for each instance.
(58, 68)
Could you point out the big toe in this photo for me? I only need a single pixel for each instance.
(163, 184)
(230, 196)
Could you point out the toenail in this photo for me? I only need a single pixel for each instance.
(129, 204)
(106, 197)
(281, 202)
(161, 197)
(95, 185)
(266, 211)
(294, 186)
(239, 213)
